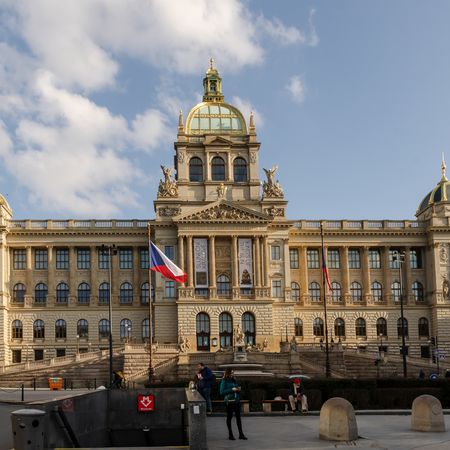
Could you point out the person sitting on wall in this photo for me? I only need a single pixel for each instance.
(297, 395)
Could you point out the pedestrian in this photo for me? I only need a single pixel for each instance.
(297, 395)
(421, 374)
(205, 381)
(231, 392)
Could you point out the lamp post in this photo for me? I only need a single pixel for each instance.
(110, 250)
(78, 344)
(401, 258)
(327, 350)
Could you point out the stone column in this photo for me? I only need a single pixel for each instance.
(257, 260)
(303, 263)
(181, 254)
(29, 273)
(407, 276)
(386, 273)
(345, 272)
(94, 271)
(365, 270)
(190, 262)
(234, 262)
(287, 266)
(212, 261)
(266, 262)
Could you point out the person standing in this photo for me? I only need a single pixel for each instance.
(205, 382)
(231, 392)
(298, 394)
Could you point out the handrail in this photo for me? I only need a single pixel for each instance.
(158, 366)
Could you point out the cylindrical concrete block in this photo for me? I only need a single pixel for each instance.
(338, 421)
(426, 414)
(28, 429)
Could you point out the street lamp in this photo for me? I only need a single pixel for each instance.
(110, 250)
(324, 269)
(400, 258)
(129, 333)
(78, 344)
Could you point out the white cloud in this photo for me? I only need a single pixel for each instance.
(246, 107)
(296, 88)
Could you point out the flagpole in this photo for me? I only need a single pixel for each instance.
(327, 354)
(151, 371)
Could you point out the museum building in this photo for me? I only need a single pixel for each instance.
(248, 265)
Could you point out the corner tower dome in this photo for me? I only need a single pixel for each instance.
(440, 194)
(213, 115)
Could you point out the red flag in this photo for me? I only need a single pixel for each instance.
(325, 269)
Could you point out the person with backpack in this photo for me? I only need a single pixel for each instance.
(206, 380)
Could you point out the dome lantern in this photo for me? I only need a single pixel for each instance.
(212, 84)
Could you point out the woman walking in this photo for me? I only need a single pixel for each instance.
(231, 392)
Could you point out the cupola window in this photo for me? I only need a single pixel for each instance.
(218, 169)
(195, 169)
(240, 170)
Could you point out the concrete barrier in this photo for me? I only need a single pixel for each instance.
(196, 413)
(28, 429)
(338, 421)
(426, 414)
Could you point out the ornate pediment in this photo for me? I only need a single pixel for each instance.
(225, 212)
(217, 140)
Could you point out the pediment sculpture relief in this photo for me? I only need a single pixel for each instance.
(223, 212)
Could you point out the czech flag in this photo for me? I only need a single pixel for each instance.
(325, 269)
(159, 262)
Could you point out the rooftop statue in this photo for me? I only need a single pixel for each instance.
(168, 187)
(272, 188)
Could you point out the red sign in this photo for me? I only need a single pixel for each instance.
(146, 403)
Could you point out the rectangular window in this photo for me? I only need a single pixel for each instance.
(38, 354)
(144, 258)
(374, 258)
(170, 289)
(394, 262)
(276, 288)
(169, 251)
(60, 352)
(103, 259)
(415, 258)
(20, 259)
(16, 356)
(425, 351)
(312, 257)
(62, 259)
(354, 259)
(83, 258)
(126, 258)
(334, 261)
(41, 259)
(293, 258)
(276, 253)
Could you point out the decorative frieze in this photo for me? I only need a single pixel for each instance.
(168, 212)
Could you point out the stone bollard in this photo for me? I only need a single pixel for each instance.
(28, 429)
(338, 421)
(426, 414)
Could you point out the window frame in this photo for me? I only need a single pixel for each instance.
(312, 258)
(354, 258)
(83, 258)
(374, 258)
(333, 258)
(240, 171)
(294, 258)
(40, 259)
(126, 258)
(218, 169)
(195, 175)
(19, 259)
(62, 259)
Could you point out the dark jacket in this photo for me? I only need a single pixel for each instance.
(300, 389)
(207, 380)
(226, 390)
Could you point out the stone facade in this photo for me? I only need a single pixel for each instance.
(248, 265)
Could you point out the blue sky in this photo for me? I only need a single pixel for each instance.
(352, 99)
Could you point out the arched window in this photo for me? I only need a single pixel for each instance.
(295, 292)
(40, 293)
(360, 327)
(202, 331)
(240, 170)
(318, 327)
(83, 328)
(395, 290)
(356, 291)
(249, 329)
(417, 290)
(84, 293)
(103, 328)
(223, 285)
(423, 327)
(145, 329)
(377, 291)
(103, 293)
(195, 169)
(60, 329)
(314, 291)
(38, 329)
(399, 327)
(226, 330)
(339, 328)
(336, 291)
(19, 292)
(125, 329)
(217, 169)
(298, 327)
(126, 293)
(381, 327)
(17, 329)
(62, 293)
(145, 292)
